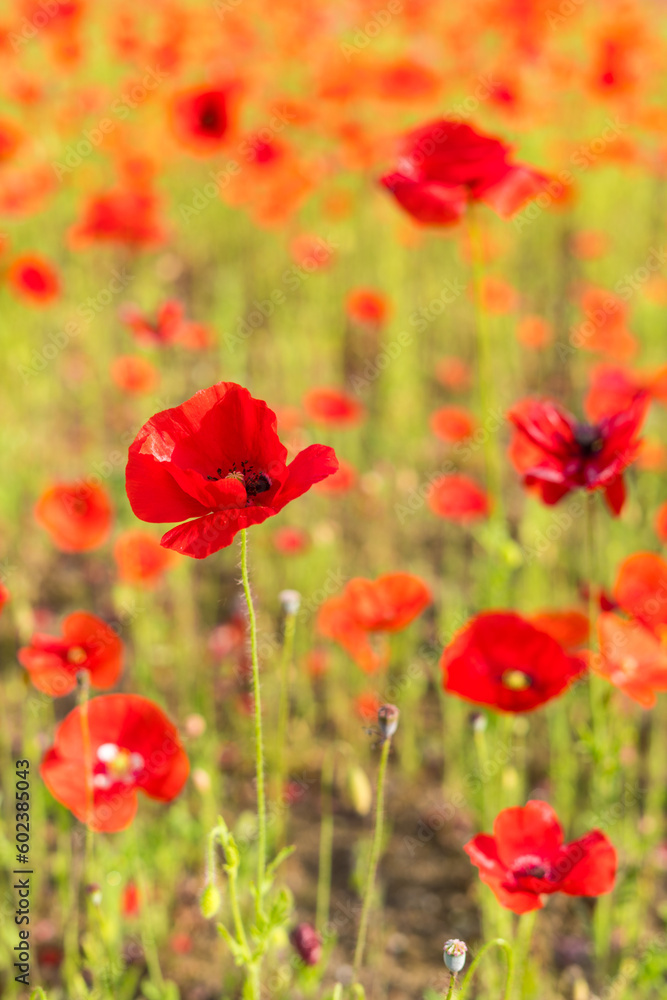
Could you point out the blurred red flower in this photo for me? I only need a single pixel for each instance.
(121, 216)
(631, 658)
(367, 306)
(569, 628)
(87, 643)
(343, 479)
(217, 459)
(526, 858)
(660, 522)
(387, 604)
(130, 901)
(557, 454)
(290, 541)
(201, 118)
(333, 407)
(34, 279)
(153, 332)
(140, 558)
(534, 332)
(605, 327)
(4, 596)
(445, 165)
(134, 747)
(452, 423)
(77, 515)
(134, 374)
(10, 139)
(501, 660)
(641, 589)
(453, 373)
(458, 498)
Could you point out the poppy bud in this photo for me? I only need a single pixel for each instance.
(388, 720)
(209, 904)
(290, 601)
(94, 893)
(307, 943)
(454, 954)
(359, 791)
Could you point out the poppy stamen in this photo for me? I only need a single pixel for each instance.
(516, 680)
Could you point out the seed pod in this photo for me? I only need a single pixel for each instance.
(290, 601)
(388, 720)
(454, 954)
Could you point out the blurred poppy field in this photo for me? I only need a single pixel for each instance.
(333, 583)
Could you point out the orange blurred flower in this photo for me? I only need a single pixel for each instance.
(333, 407)
(367, 306)
(631, 658)
(458, 498)
(76, 515)
(534, 332)
(134, 374)
(452, 423)
(34, 279)
(140, 558)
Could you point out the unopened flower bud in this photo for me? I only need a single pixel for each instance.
(290, 601)
(359, 791)
(454, 954)
(209, 904)
(307, 943)
(388, 720)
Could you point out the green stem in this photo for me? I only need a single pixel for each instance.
(484, 362)
(507, 949)
(523, 937)
(259, 740)
(375, 857)
(283, 712)
(452, 984)
(326, 843)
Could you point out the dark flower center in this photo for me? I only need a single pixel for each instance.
(589, 439)
(210, 119)
(532, 866)
(516, 680)
(254, 482)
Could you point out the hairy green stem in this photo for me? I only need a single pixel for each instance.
(509, 956)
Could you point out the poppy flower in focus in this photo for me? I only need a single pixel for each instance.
(77, 515)
(342, 481)
(501, 660)
(631, 658)
(290, 541)
(333, 407)
(641, 589)
(133, 747)
(556, 453)
(570, 629)
(367, 307)
(134, 374)
(122, 216)
(87, 643)
(140, 558)
(452, 423)
(458, 498)
(365, 607)
(217, 460)
(534, 332)
(34, 279)
(526, 858)
(453, 373)
(446, 164)
(201, 118)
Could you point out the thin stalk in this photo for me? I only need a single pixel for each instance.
(522, 939)
(283, 711)
(375, 857)
(452, 984)
(326, 843)
(509, 956)
(259, 739)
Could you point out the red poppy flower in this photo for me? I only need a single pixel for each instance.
(201, 118)
(130, 901)
(87, 643)
(641, 589)
(612, 390)
(387, 604)
(631, 658)
(498, 296)
(134, 374)
(122, 216)
(605, 327)
(140, 558)
(10, 140)
(4, 596)
(217, 459)
(367, 307)
(556, 453)
(501, 660)
(660, 522)
(310, 252)
(453, 373)
(333, 407)
(526, 859)
(291, 541)
(133, 746)
(76, 515)
(153, 332)
(569, 628)
(447, 164)
(458, 498)
(34, 279)
(452, 423)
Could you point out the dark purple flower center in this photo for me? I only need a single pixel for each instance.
(589, 438)
(254, 482)
(533, 866)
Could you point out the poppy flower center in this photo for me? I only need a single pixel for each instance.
(116, 764)
(76, 655)
(532, 866)
(210, 119)
(516, 680)
(588, 437)
(254, 482)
